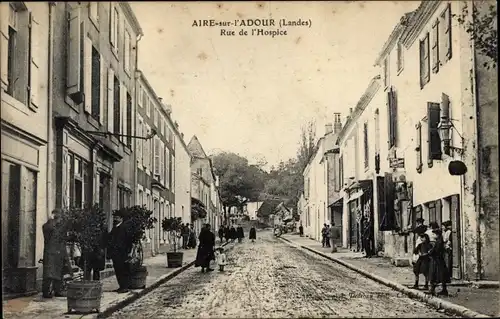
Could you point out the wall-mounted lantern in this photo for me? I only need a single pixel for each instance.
(446, 125)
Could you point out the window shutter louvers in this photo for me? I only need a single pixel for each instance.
(87, 74)
(111, 94)
(433, 141)
(123, 111)
(171, 178)
(162, 162)
(156, 164)
(447, 35)
(34, 63)
(4, 44)
(418, 147)
(74, 55)
(435, 47)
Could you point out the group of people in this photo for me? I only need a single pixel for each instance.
(188, 236)
(207, 251)
(433, 256)
(328, 235)
(235, 233)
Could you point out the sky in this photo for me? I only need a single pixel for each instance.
(252, 94)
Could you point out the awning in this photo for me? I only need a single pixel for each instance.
(359, 188)
(338, 203)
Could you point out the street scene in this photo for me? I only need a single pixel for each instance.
(272, 279)
(249, 159)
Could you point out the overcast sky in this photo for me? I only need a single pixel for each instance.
(251, 95)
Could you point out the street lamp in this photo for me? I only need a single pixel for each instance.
(444, 128)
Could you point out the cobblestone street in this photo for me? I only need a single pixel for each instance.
(269, 278)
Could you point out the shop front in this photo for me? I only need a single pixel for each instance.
(360, 216)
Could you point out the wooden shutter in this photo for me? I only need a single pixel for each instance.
(96, 185)
(112, 24)
(73, 66)
(139, 95)
(171, 178)
(102, 89)
(386, 203)
(111, 95)
(418, 147)
(156, 164)
(123, 111)
(34, 85)
(391, 119)
(435, 47)
(4, 44)
(162, 161)
(138, 142)
(447, 32)
(87, 73)
(433, 141)
(424, 61)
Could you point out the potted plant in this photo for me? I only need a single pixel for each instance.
(84, 227)
(137, 219)
(173, 226)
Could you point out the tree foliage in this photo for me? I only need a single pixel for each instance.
(482, 28)
(173, 226)
(137, 219)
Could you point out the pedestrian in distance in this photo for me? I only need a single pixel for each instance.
(185, 235)
(252, 235)
(421, 264)
(192, 237)
(368, 237)
(221, 233)
(240, 234)
(220, 257)
(334, 234)
(301, 230)
(227, 233)
(323, 235)
(232, 233)
(119, 247)
(55, 256)
(448, 248)
(205, 251)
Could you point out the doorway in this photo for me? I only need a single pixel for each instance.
(456, 240)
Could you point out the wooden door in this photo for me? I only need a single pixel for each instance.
(455, 236)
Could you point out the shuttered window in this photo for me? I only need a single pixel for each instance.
(96, 85)
(87, 74)
(139, 142)
(365, 144)
(424, 61)
(116, 106)
(111, 100)
(74, 67)
(167, 167)
(418, 147)
(156, 163)
(446, 20)
(392, 117)
(433, 140)
(387, 218)
(435, 47)
(34, 64)
(129, 120)
(140, 96)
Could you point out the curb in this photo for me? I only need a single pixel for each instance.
(136, 295)
(415, 294)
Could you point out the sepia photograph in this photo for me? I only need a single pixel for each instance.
(249, 159)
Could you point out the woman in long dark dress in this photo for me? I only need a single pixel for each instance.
(240, 234)
(205, 251)
(438, 274)
(232, 233)
(227, 233)
(252, 235)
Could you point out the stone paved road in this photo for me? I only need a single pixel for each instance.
(270, 279)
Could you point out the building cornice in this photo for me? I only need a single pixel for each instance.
(417, 22)
(129, 13)
(365, 99)
(393, 38)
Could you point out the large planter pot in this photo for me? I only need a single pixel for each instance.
(84, 296)
(137, 278)
(174, 259)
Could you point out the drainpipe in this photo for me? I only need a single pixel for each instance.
(49, 107)
(477, 191)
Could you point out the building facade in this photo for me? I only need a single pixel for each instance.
(155, 160)
(252, 208)
(182, 179)
(26, 76)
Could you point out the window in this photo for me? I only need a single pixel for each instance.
(116, 106)
(149, 107)
(446, 22)
(156, 163)
(161, 151)
(111, 100)
(115, 20)
(424, 61)
(80, 185)
(365, 144)
(392, 117)
(167, 168)
(155, 117)
(139, 142)
(418, 147)
(94, 13)
(386, 72)
(435, 47)
(11, 63)
(140, 96)
(433, 141)
(129, 120)
(96, 85)
(128, 48)
(124, 196)
(400, 61)
(103, 190)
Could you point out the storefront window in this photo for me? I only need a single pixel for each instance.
(81, 190)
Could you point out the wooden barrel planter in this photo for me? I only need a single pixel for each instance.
(174, 259)
(84, 296)
(137, 278)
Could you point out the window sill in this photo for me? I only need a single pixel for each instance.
(400, 71)
(115, 140)
(127, 150)
(15, 103)
(92, 121)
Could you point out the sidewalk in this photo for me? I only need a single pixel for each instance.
(481, 300)
(56, 308)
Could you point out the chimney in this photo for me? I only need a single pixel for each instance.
(176, 125)
(182, 136)
(350, 111)
(337, 124)
(328, 128)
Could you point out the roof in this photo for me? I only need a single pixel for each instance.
(267, 208)
(195, 148)
(127, 10)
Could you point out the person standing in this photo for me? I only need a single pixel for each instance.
(301, 230)
(252, 235)
(205, 251)
(334, 235)
(232, 233)
(55, 256)
(421, 265)
(227, 233)
(221, 233)
(438, 274)
(192, 237)
(185, 235)
(119, 247)
(240, 233)
(368, 237)
(448, 249)
(323, 235)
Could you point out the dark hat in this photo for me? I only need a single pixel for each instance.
(447, 223)
(420, 220)
(433, 225)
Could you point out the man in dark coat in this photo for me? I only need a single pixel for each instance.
(205, 251)
(120, 246)
(232, 233)
(227, 233)
(239, 233)
(55, 256)
(221, 233)
(185, 235)
(253, 234)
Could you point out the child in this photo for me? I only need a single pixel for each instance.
(421, 266)
(221, 258)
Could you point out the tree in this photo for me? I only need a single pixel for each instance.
(482, 28)
(239, 181)
(307, 144)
